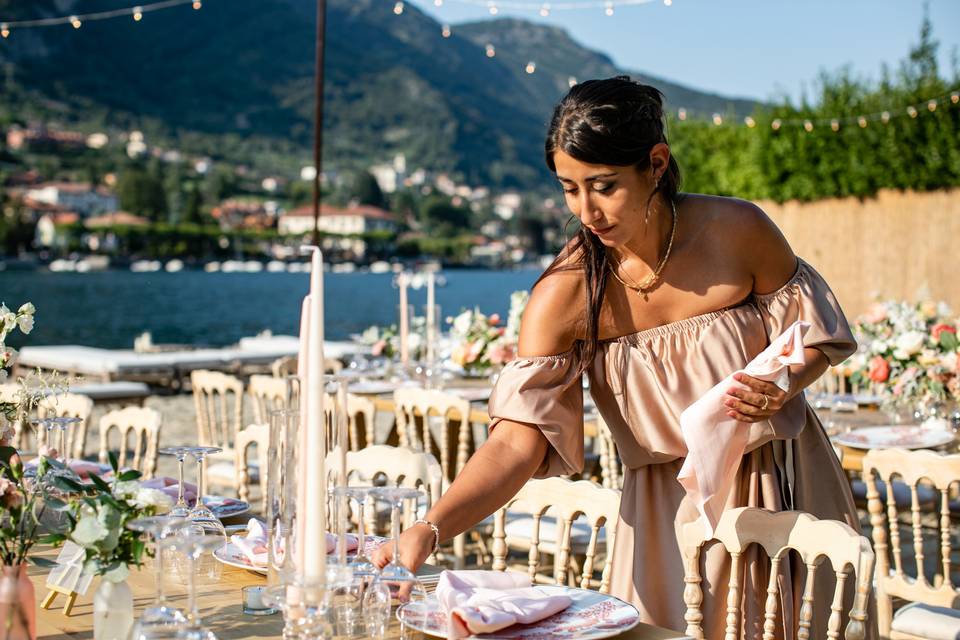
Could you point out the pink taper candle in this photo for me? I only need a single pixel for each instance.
(404, 320)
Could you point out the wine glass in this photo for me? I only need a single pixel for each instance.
(402, 583)
(193, 544)
(63, 423)
(360, 564)
(48, 425)
(200, 515)
(180, 509)
(159, 614)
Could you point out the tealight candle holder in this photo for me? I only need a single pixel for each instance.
(253, 601)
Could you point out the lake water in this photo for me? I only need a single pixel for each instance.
(110, 308)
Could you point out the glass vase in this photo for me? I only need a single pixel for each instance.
(18, 607)
(112, 610)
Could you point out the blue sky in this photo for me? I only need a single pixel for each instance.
(752, 48)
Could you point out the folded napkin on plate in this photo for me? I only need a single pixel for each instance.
(254, 544)
(487, 601)
(352, 542)
(170, 486)
(715, 441)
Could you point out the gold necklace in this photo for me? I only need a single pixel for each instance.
(642, 287)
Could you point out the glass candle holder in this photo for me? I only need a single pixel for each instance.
(252, 598)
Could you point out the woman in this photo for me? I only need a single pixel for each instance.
(658, 298)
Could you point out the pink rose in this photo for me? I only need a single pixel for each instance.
(879, 369)
(378, 347)
(47, 451)
(502, 353)
(9, 493)
(876, 313)
(494, 319)
(472, 352)
(940, 328)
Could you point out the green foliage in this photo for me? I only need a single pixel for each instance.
(367, 191)
(441, 217)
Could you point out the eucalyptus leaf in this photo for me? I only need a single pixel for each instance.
(99, 483)
(45, 563)
(114, 463)
(949, 340)
(67, 484)
(128, 475)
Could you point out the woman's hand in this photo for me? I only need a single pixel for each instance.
(416, 543)
(759, 402)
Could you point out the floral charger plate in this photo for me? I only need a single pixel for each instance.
(231, 555)
(887, 437)
(591, 615)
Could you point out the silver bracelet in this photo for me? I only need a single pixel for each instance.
(436, 532)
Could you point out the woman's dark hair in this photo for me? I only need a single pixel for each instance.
(615, 121)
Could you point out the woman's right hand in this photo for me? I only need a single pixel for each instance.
(416, 544)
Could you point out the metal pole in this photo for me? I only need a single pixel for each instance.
(318, 117)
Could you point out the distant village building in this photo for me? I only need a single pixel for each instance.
(40, 138)
(47, 234)
(115, 219)
(390, 176)
(507, 205)
(74, 196)
(355, 220)
(247, 214)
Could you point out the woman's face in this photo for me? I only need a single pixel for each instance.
(610, 200)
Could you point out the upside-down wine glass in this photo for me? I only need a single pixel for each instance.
(403, 583)
(193, 545)
(201, 515)
(159, 617)
(64, 423)
(180, 509)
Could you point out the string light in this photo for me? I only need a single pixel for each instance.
(955, 97)
(608, 9)
(932, 106)
(835, 124)
(545, 9)
(398, 8)
(912, 111)
(682, 113)
(667, 3)
(572, 81)
(77, 20)
(197, 5)
(445, 32)
(750, 122)
(438, 3)
(862, 122)
(492, 7)
(531, 67)
(491, 51)
(885, 117)
(808, 126)
(717, 119)
(776, 124)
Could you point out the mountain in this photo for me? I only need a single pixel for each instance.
(245, 68)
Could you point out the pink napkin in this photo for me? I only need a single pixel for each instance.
(254, 544)
(82, 468)
(352, 542)
(488, 601)
(715, 441)
(170, 486)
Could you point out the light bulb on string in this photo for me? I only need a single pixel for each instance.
(750, 122)
(438, 3)
(717, 119)
(667, 2)
(885, 117)
(955, 97)
(932, 105)
(138, 13)
(835, 124)
(682, 113)
(445, 32)
(775, 125)
(545, 9)
(398, 8)
(608, 9)
(572, 81)
(491, 51)
(808, 126)
(531, 67)
(862, 122)
(5, 30)
(492, 7)
(912, 111)
(75, 21)
(197, 5)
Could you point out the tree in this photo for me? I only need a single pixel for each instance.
(442, 218)
(141, 193)
(193, 203)
(366, 190)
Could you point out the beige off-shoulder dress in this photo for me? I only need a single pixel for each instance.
(641, 383)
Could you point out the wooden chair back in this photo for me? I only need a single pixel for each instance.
(268, 393)
(913, 468)
(71, 405)
(287, 366)
(218, 398)
(567, 501)
(143, 424)
(777, 534)
(400, 467)
(416, 409)
(256, 434)
(611, 469)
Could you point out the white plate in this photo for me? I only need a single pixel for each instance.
(592, 615)
(473, 394)
(372, 388)
(886, 437)
(225, 510)
(231, 555)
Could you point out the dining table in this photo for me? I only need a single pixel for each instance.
(219, 603)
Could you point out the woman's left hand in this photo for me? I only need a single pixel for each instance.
(760, 401)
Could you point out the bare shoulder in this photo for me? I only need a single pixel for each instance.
(553, 318)
(747, 235)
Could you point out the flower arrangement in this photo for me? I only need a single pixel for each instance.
(23, 502)
(908, 352)
(385, 341)
(480, 343)
(22, 319)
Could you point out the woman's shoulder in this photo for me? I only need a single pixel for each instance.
(743, 233)
(553, 319)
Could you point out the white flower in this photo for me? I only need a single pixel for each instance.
(89, 531)
(153, 498)
(9, 319)
(25, 323)
(414, 341)
(127, 489)
(27, 309)
(118, 574)
(370, 335)
(461, 324)
(3, 372)
(909, 343)
(949, 361)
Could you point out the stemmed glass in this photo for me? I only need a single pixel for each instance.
(65, 422)
(193, 545)
(200, 515)
(180, 509)
(401, 582)
(159, 615)
(360, 564)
